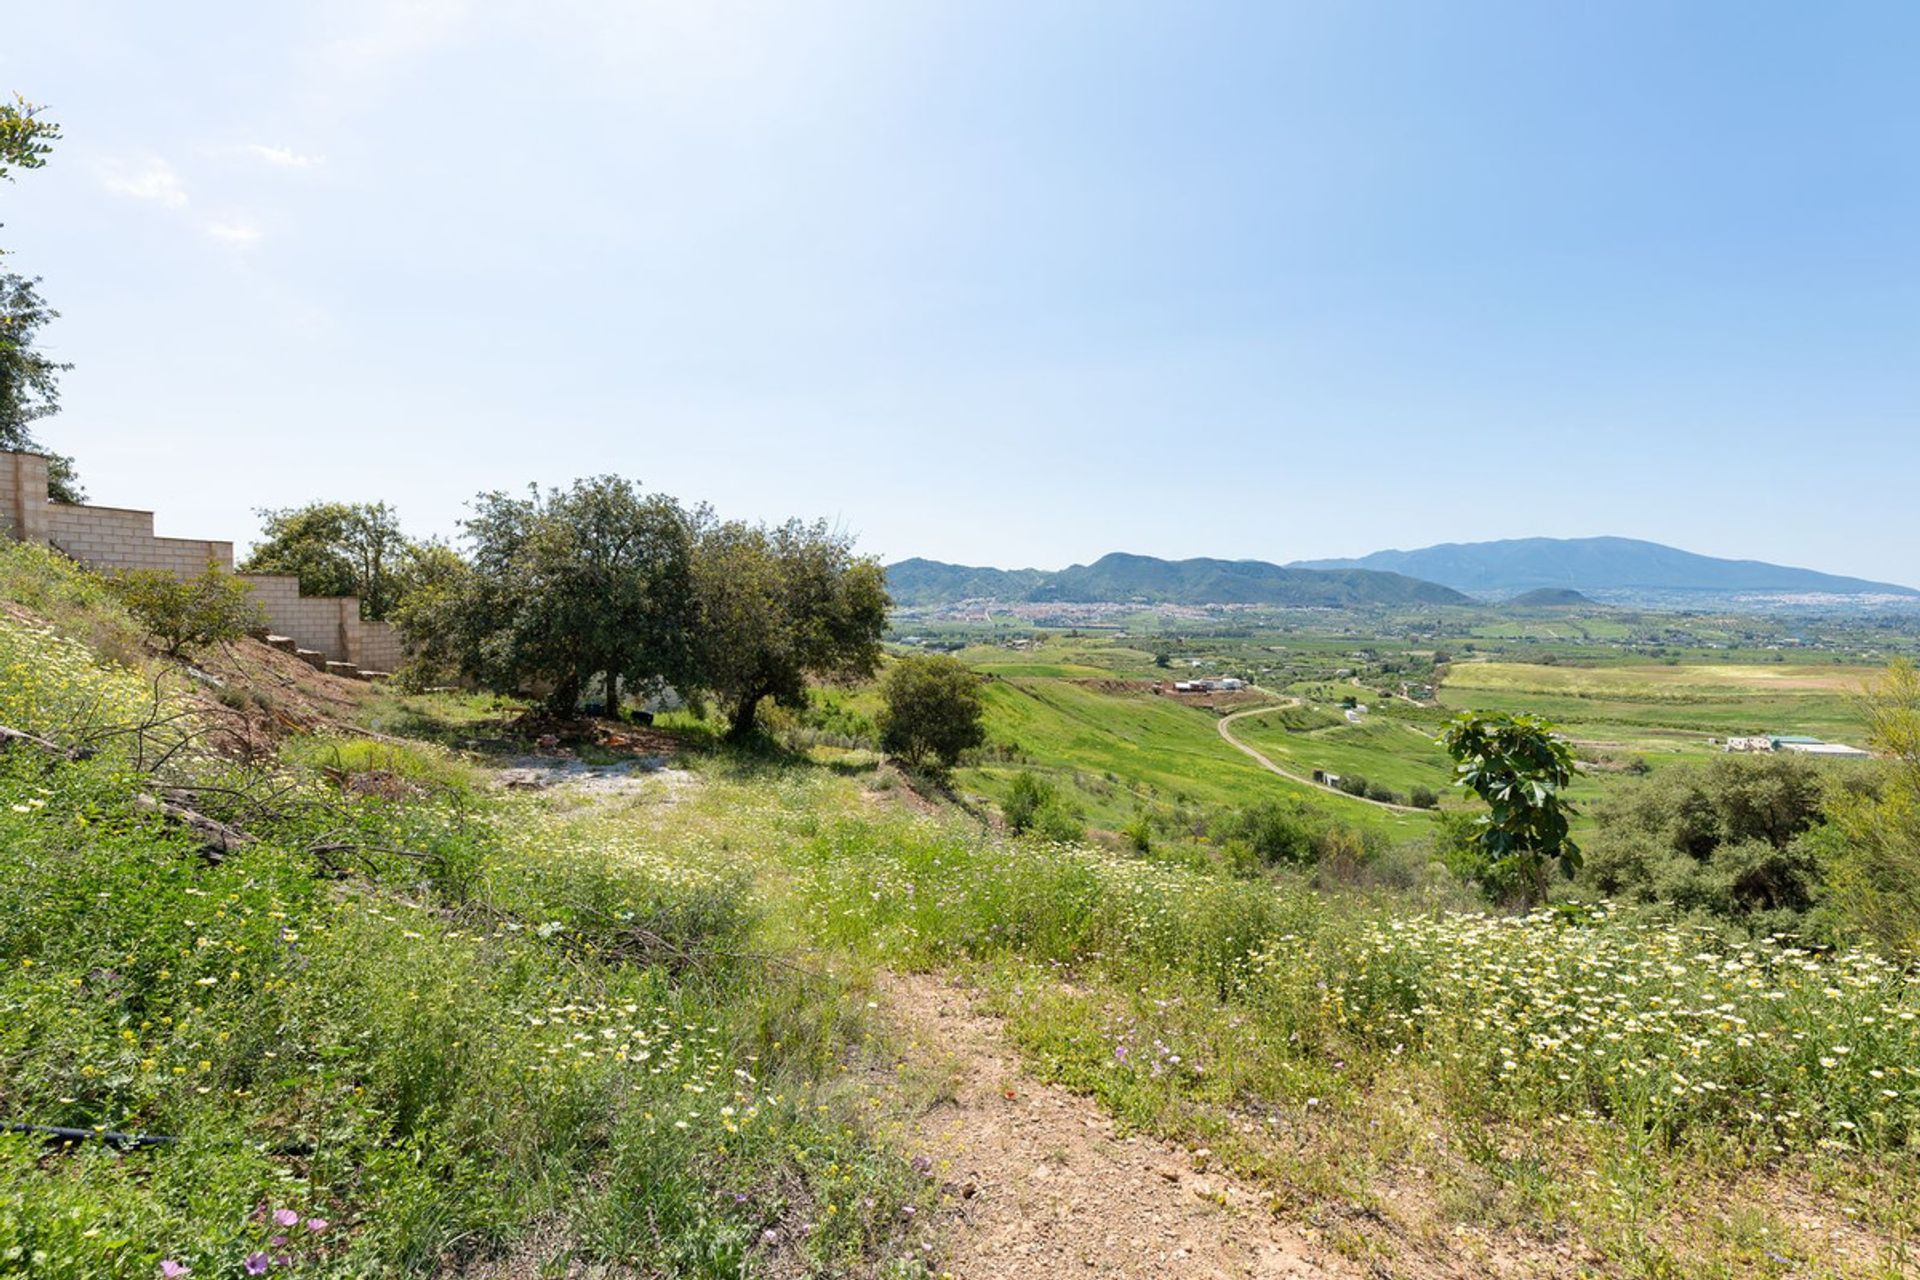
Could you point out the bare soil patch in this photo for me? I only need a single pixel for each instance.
(1037, 1182)
(622, 777)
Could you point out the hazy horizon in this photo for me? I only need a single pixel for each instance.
(997, 284)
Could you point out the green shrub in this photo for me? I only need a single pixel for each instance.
(1423, 797)
(182, 614)
(932, 710)
(1276, 831)
(1871, 854)
(1034, 806)
(1060, 823)
(1724, 838)
(1026, 796)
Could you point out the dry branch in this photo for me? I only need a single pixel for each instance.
(217, 838)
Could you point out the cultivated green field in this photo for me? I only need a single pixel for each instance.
(1057, 702)
(1655, 705)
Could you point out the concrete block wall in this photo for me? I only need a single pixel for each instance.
(123, 539)
(118, 538)
(23, 496)
(376, 646)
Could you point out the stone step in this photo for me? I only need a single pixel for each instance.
(283, 643)
(312, 657)
(375, 675)
(342, 669)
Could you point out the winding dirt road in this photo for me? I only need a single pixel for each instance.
(1287, 700)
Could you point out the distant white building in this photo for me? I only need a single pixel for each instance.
(1840, 749)
(1799, 744)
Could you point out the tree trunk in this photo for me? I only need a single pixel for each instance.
(612, 682)
(741, 726)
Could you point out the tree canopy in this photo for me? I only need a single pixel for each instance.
(338, 549)
(779, 605)
(29, 378)
(565, 586)
(26, 136)
(933, 710)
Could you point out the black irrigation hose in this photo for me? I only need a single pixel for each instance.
(61, 1136)
(72, 1137)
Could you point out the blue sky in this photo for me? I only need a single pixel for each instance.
(1001, 283)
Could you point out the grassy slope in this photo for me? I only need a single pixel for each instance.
(1137, 748)
(460, 1041)
(427, 1024)
(1382, 748)
(1447, 1090)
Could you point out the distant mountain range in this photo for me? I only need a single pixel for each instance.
(1119, 578)
(1600, 567)
(1534, 571)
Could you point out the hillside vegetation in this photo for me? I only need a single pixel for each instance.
(399, 1020)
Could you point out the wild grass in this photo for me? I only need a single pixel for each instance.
(1382, 749)
(619, 1029)
(75, 603)
(1279, 1026)
(424, 764)
(425, 1023)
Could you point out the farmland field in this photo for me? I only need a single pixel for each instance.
(1077, 707)
(1652, 703)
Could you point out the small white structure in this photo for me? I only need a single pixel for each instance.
(1840, 749)
(1799, 744)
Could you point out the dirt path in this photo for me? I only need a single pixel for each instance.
(1225, 722)
(1041, 1186)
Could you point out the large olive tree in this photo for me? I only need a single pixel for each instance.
(778, 606)
(561, 588)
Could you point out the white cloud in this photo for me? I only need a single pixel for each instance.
(237, 231)
(151, 179)
(284, 157)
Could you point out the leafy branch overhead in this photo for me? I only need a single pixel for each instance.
(29, 379)
(26, 136)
